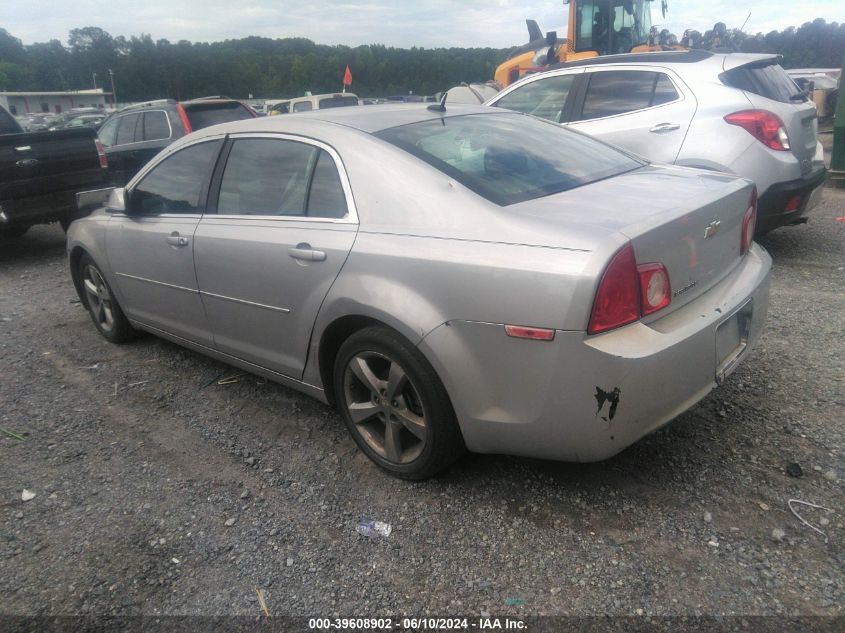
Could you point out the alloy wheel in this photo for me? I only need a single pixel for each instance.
(99, 298)
(385, 407)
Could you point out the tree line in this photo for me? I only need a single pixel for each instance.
(144, 68)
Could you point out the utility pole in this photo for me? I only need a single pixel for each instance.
(94, 75)
(113, 93)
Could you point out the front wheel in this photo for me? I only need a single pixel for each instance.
(102, 306)
(395, 406)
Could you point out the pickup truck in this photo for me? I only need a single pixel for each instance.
(41, 173)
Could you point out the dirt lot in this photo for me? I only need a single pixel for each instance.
(159, 491)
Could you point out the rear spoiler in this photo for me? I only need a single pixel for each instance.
(748, 59)
(88, 200)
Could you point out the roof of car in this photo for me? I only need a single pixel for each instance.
(660, 57)
(370, 119)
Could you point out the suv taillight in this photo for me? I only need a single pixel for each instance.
(628, 292)
(101, 154)
(749, 223)
(763, 125)
(183, 116)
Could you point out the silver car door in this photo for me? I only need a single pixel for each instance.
(284, 226)
(151, 246)
(644, 110)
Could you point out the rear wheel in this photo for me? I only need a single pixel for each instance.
(105, 312)
(395, 406)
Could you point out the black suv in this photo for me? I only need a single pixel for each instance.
(136, 133)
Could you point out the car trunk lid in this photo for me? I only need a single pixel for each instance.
(688, 220)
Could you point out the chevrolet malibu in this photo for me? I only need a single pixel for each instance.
(450, 277)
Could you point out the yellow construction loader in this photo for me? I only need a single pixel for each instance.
(596, 27)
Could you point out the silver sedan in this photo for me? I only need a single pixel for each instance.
(451, 279)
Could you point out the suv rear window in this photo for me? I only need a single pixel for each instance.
(337, 102)
(767, 79)
(509, 158)
(205, 114)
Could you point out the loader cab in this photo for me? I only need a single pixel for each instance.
(609, 27)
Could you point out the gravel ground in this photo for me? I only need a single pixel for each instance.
(159, 491)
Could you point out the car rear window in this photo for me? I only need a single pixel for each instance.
(337, 102)
(510, 158)
(205, 114)
(767, 79)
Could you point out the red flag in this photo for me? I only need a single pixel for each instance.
(347, 77)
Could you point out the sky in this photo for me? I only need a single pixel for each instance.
(401, 23)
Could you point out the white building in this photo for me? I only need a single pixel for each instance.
(25, 102)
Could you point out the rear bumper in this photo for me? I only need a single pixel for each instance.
(585, 398)
(771, 206)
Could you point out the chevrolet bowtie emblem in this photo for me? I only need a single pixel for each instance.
(712, 228)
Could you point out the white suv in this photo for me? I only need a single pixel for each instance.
(732, 112)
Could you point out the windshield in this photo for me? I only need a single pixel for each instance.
(612, 26)
(508, 157)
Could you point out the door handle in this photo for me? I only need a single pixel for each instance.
(665, 127)
(174, 239)
(305, 253)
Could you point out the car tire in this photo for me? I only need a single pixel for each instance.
(395, 405)
(11, 232)
(98, 299)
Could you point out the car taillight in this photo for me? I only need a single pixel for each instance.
(749, 223)
(617, 300)
(183, 116)
(628, 292)
(101, 154)
(655, 290)
(763, 125)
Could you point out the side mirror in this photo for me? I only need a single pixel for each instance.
(117, 201)
(551, 38)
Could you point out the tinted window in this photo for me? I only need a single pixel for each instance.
(543, 98)
(621, 91)
(126, 129)
(326, 198)
(768, 80)
(266, 177)
(156, 126)
(506, 158)
(302, 106)
(175, 185)
(337, 102)
(204, 114)
(7, 124)
(664, 91)
(108, 131)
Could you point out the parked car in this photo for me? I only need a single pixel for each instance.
(738, 113)
(136, 133)
(85, 120)
(315, 102)
(65, 119)
(501, 283)
(41, 173)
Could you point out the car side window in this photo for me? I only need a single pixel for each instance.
(544, 98)
(108, 133)
(156, 126)
(266, 177)
(621, 91)
(302, 106)
(280, 177)
(126, 129)
(326, 198)
(177, 183)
